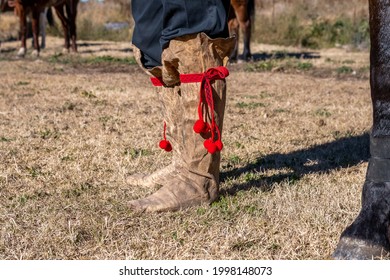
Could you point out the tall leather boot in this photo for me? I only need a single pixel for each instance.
(195, 170)
(156, 178)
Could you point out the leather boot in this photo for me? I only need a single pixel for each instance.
(193, 178)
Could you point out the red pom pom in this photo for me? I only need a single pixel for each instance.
(219, 145)
(200, 126)
(165, 145)
(207, 143)
(210, 146)
(169, 147)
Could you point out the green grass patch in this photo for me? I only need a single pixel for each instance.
(344, 70)
(304, 66)
(60, 58)
(5, 139)
(135, 153)
(68, 106)
(48, 133)
(249, 105)
(79, 190)
(88, 94)
(250, 177)
(67, 158)
(22, 83)
(281, 64)
(234, 160)
(323, 113)
(261, 66)
(348, 61)
(301, 25)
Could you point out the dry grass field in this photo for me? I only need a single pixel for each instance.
(73, 126)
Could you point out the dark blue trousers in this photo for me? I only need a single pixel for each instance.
(159, 21)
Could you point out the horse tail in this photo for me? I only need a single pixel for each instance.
(250, 8)
(50, 17)
(11, 3)
(3, 4)
(6, 6)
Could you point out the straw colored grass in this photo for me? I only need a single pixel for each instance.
(73, 126)
(9, 26)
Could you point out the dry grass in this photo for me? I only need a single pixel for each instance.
(9, 26)
(308, 23)
(312, 23)
(70, 130)
(92, 16)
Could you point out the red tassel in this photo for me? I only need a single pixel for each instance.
(214, 143)
(200, 127)
(165, 144)
(210, 146)
(219, 145)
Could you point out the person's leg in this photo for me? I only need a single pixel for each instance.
(146, 41)
(185, 17)
(152, 20)
(148, 18)
(42, 27)
(194, 176)
(368, 236)
(159, 21)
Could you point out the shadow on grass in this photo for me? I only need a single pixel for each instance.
(281, 55)
(323, 158)
(91, 44)
(125, 50)
(8, 51)
(284, 55)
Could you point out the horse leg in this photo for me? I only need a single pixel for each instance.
(368, 236)
(23, 31)
(65, 26)
(245, 26)
(234, 31)
(42, 27)
(72, 13)
(35, 28)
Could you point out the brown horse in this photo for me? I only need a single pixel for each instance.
(46, 16)
(4, 7)
(66, 10)
(368, 237)
(241, 15)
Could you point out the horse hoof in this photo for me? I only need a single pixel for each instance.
(35, 53)
(65, 50)
(21, 52)
(357, 249)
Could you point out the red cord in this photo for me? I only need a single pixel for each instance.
(206, 100)
(165, 144)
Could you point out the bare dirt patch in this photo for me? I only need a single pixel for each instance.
(73, 126)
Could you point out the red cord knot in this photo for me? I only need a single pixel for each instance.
(206, 113)
(206, 109)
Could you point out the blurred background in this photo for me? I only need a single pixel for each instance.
(303, 23)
